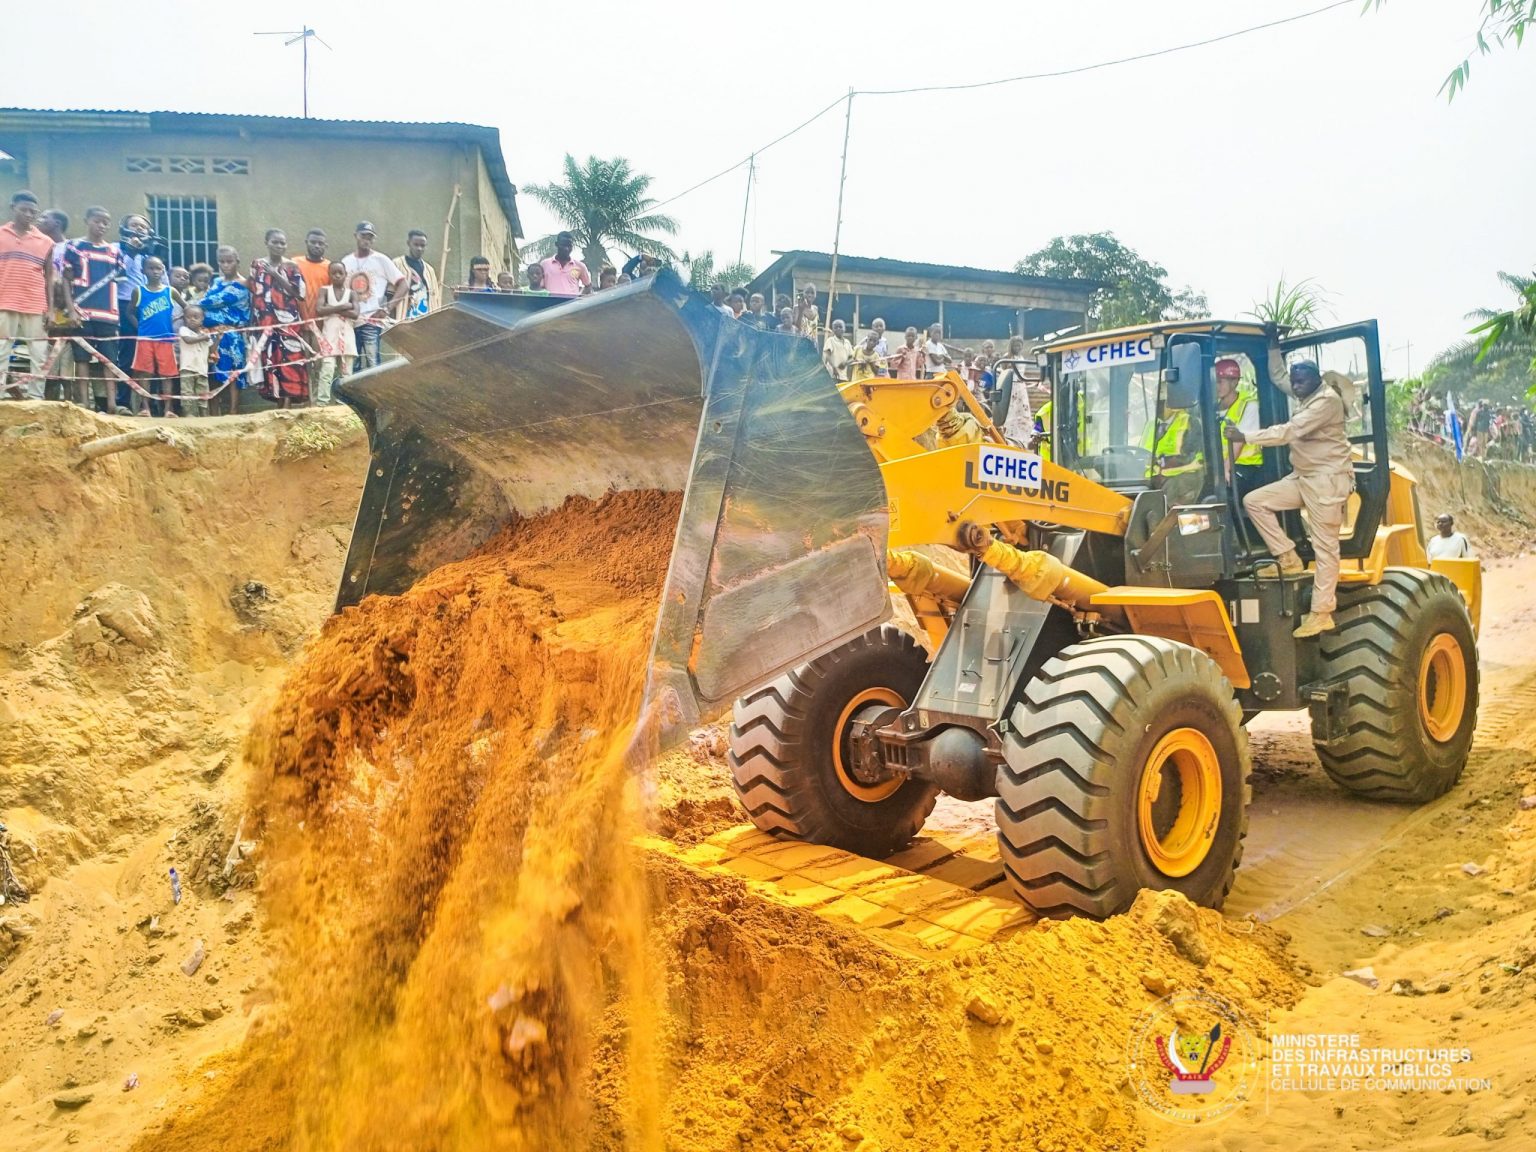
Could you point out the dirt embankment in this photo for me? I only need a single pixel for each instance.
(1494, 502)
(151, 596)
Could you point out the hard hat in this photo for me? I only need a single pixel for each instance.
(1228, 368)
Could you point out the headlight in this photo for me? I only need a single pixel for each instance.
(1192, 522)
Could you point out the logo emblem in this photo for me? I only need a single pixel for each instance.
(1072, 359)
(1193, 1057)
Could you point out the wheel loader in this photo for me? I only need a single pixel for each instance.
(1093, 630)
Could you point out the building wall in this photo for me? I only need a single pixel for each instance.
(497, 243)
(294, 182)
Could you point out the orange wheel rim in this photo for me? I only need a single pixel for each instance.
(1178, 801)
(873, 699)
(1442, 687)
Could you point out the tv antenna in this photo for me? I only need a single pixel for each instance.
(303, 36)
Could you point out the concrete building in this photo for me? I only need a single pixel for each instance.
(971, 303)
(205, 180)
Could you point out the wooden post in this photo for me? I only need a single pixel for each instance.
(442, 264)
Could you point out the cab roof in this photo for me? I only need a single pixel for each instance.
(1162, 328)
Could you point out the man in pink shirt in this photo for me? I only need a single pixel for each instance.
(26, 286)
(564, 276)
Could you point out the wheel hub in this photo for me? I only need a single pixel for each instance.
(866, 758)
(1179, 801)
(856, 754)
(1442, 687)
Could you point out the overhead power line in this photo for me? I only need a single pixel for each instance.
(1011, 80)
(1111, 63)
(764, 148)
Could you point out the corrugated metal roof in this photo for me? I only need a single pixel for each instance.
(487, 139)
(916, 270)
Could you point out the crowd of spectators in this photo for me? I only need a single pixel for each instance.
(109, 323)
(1488, 431)
(559, 275)
(998, 383)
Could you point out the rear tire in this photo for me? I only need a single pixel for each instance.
(789, 748)
(1406, 648)
(1125, 767)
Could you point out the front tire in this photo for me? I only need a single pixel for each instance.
(789, 748)
(1406, 648)
(1125, 767)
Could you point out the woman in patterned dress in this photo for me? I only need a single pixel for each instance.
(277, 287)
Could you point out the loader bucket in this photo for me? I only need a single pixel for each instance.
(497, 411)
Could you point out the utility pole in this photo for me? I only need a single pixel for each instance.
(741, 246)
(837, 232)
(1407, 346)
(302, 37)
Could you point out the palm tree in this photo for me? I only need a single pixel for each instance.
(1299, 307)
(602, 202)
(702, 273)
(1498, 336)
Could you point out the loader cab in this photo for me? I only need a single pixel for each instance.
(1138, 410)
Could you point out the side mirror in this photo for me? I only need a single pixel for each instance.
(1181, 379)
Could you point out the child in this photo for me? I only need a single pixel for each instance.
(336, 312)
(536, 280)
(181, 281)
(154, 356)
(195, 342)
(201, 276)
(506, 282)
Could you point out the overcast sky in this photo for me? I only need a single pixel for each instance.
(1319, 149)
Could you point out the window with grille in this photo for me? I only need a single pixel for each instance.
(230, 166)
(143, 164)
(190, 227)
(187, 165)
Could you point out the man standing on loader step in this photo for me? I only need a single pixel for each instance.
(1321, 480)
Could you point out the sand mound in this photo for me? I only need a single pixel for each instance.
(451, 879)
(151, 596)
(477, 958)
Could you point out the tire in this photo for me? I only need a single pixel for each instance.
(1408, 724)
(783, 736)
(1075, 834)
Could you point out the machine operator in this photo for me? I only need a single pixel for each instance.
(1321, 479)
(1239, 403)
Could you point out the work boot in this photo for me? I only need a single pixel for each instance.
(1290, 565)
(1314, 624)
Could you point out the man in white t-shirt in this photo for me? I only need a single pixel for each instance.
(1447, 543)
(387, 288)
(935, 355)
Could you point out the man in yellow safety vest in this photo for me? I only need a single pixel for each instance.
(1174, 442)
(1239, 404)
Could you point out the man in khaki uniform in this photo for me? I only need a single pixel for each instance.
(1321, 480)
